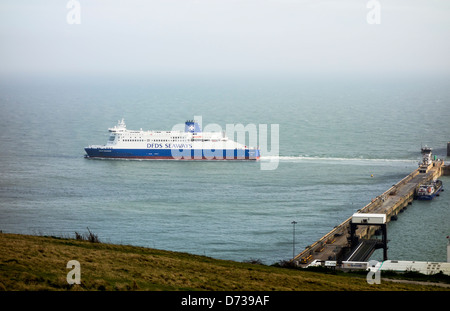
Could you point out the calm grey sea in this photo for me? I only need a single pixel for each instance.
(335, 133)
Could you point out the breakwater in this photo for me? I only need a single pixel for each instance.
(336, 244)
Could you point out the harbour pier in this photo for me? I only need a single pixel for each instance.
(354, 240)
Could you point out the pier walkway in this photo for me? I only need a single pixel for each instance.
(336, 246)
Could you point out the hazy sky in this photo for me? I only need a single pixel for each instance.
(224, 37)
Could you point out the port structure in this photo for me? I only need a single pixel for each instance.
(343, 240)
(362, 249)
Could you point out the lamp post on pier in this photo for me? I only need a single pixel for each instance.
(293, 240)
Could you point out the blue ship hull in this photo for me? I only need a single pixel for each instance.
(431, 196)
(167, 154)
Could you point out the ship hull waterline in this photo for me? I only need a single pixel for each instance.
(167, 154)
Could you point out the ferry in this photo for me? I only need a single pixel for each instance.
(190, 144)
(429, 190)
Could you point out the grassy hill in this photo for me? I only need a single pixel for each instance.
(39, 263)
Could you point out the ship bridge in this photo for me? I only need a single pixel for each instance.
(120, 127)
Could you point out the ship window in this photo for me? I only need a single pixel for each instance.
(111, 138)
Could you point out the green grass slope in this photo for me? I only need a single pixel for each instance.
(32, 263)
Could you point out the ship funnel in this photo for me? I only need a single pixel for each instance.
(192, 126)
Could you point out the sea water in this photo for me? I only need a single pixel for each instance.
(342, 142)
